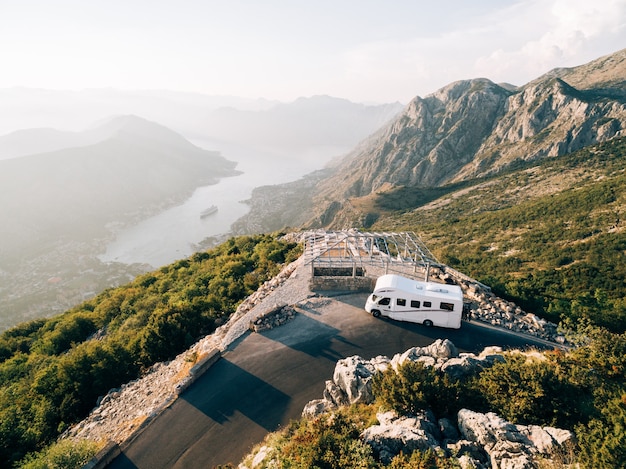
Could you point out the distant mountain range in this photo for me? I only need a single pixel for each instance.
(24, 108)
(469, 129)
(293, 129)
(45, 140)
(306, 122)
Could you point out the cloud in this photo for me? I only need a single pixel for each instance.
(566, 33)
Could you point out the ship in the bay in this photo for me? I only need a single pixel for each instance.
(209, 211)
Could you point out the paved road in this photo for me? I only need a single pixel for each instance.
(264, 380)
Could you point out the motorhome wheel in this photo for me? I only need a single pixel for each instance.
(428, 323)
(376, 313)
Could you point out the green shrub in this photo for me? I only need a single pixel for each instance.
(326, 442)
(415, 387)
(539, 392)
(65, 454)
(602, 441)
(423, 460)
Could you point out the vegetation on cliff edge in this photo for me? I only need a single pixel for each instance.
(583, 390)
(53, 370)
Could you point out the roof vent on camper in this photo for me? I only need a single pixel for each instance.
(436, 288)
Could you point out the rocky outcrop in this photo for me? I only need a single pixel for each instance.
(352, 378)
(477, 440)
(395, 434)
(431, 140)
(545, 119)
(507, 445)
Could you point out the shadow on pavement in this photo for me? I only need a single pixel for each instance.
(310, 336)
(241, 392)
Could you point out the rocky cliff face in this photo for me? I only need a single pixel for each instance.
(432, 139)
(474, 128)
(549, 118)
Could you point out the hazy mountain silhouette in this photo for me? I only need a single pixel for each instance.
(134, 167)
(318, 120)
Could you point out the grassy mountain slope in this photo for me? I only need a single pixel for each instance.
(549, 236)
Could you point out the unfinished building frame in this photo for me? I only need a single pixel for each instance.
(352, 253)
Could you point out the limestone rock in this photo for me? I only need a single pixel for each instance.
(469, 453)
(468, 364)
(335, 394)
(354, 375)
(546, 439)
(438, 351)
(395, 434)
(510, 446)
(316, 407)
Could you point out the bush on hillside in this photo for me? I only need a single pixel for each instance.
(52, 371)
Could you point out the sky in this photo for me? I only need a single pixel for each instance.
(371, 51)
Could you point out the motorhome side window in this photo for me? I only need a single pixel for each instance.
(427, 304)
(446, 306)
(415, 304)
(384, 301)
(400, 301)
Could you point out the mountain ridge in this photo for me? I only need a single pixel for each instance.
(475, 128)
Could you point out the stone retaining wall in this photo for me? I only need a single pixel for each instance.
(352, 284)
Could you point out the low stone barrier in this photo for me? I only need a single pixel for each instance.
(104, 457)
(491, 309)
(198, 370)
(272, 319)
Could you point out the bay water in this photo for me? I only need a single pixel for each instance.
(174, 233)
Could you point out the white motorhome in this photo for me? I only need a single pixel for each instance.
(427, 303)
